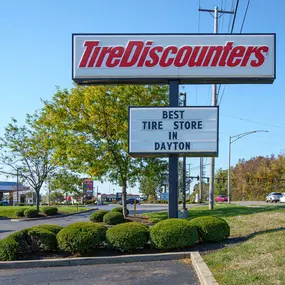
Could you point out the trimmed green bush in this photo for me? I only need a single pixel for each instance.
(20, 212)
(8, 249)
(21, 204)
(42, 239)
(1, 203)
(173, 234)
(211, 228)
(15, 246)
(24, 241)
(31, 213)
(81, 237)
(97, 216)
(52, 228)
(113, 218)
(129, 236)
(120, 210)
(49, 211)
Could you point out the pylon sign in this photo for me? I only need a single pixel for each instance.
(158, 58)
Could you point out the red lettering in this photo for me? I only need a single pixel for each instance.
(214, 49)
(132, 50)
(259, 56)
(165, 61)
(154, 56)
(115, 56)
(193, 59)
(183, 56)
(94, 56)
(236, 56)
(104, 51)
(250, 50)
(225, 54)
(144, 54)
(89, 47)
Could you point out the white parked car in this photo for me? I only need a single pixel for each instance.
(282, 199)
(273, 197)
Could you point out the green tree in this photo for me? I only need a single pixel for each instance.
(90, 130)
(221, 182)
(66, 182)
(27, 150)
(56, 197)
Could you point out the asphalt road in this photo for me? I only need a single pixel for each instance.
(7, 226)
(139, 273)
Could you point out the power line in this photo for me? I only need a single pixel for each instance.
(256, 122)
(222, 94)
(235, 14)
(229, 26)
(244, 16)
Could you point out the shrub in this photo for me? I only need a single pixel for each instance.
(113, 218)
(49, 211)
(119, 210)
(173, 234)
(98, 216)
(31, 213)
(52, 228)
(1, 203)
(24, 242)
(128, 236)
(42, 239)
(211, 228)
(20, 212)
(88, 202)
(81, 237)
(8, 249)
(21, 204)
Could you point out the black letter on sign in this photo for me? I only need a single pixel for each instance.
(172, 135)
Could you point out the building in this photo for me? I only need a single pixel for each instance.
(8, 192)
(115, 197)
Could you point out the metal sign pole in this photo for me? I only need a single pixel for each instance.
(173, 158)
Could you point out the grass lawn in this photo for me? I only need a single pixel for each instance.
(9, 211)
(260, 258)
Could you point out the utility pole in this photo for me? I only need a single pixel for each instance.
(184, 209)
(201, 180)
(216, 12)
(17, 186)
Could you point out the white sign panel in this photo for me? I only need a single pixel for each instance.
(157, 58)
(160, 131)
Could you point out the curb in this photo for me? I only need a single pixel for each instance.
(53, 217)
(204, 274)
(93, 260)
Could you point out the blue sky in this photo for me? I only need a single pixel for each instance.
(36, 56)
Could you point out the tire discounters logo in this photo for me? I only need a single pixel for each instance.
(224, 58)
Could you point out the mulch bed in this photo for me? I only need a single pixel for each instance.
(140, 219)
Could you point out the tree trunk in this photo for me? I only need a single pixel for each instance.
(124, 198)
(38, 199)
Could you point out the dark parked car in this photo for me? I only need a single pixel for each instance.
(130, 201)
(221, 198)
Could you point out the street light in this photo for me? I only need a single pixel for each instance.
(235, 138)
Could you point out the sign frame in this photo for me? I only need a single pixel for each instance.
(165, 80)
(167, 154)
